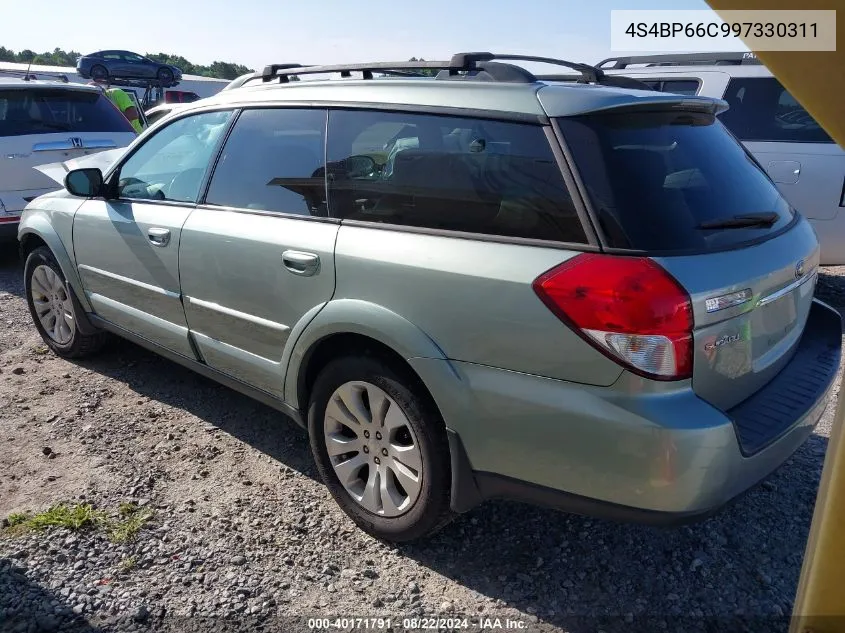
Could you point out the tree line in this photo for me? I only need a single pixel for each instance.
(59, 57)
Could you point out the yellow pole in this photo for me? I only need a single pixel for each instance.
(817, 81)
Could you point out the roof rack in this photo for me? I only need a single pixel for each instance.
(683, 59)
(481, 66)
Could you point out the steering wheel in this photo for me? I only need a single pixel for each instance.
(142, 185)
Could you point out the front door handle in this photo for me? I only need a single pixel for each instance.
(158, 237)
(299, 263)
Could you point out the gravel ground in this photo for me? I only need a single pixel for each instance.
(245, 536)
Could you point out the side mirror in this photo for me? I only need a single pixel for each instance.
(86, 183)
(360, 166)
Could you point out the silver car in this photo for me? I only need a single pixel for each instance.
(467, 286)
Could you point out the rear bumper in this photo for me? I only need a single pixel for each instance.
(638, 451)
(9, 227)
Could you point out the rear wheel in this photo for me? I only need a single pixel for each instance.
(380, 446)
(165, 76)
(99, 72)
(52, 309)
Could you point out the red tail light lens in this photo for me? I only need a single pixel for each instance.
(629, 308)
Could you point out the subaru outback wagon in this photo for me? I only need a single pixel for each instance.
(481, 284)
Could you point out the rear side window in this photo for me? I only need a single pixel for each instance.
(448, 173)
(273, 161)
(46, 111)
(655, 178)
(687, 87)
(761, 109)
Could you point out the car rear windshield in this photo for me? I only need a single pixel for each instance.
(672, 182)
(47, 111)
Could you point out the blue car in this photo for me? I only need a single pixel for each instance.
(126, 65)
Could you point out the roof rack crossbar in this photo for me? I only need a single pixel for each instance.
(473, 62)
(681, 59)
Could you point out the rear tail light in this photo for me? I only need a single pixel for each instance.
(629, 308)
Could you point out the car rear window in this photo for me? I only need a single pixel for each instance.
(654, 178)
(46, 111)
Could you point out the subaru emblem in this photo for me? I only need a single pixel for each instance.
(799, 269)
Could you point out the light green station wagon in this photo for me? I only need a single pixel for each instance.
(484, 283)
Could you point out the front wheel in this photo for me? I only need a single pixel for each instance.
(380, 447)
(99, 73)
(52, 309)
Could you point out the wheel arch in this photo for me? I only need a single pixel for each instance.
(36, 231)
(358, 327)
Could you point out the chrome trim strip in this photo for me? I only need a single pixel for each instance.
(787, 289)
(131, 282)
(216, 307)
(52, 146)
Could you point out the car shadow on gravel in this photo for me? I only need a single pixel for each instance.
(735, 571)
(25, 606)
(166, 382)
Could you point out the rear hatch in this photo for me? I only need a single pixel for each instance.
(675, 187)
(45, 123)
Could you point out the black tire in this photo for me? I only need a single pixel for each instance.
(165, 76)
(99, 72)
(80, 345)
(431, 511)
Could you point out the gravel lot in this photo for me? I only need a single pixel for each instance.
(243, 535)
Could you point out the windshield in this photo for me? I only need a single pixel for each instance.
(672, 181)
(47, 110)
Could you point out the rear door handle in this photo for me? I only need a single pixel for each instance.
(299, 263)
(158, 237)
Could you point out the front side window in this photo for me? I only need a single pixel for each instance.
(449, 173)
(761, 109)
(172, 163)
(273, 161)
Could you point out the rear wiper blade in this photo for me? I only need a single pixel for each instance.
(745, 220)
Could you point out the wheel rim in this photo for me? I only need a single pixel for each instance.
(373, 449)
(98, 72)
(52, 304)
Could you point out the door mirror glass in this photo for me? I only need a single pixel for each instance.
(360, 166)
(87, 183)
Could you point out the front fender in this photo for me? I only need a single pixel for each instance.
(38, 222)
(352, 316)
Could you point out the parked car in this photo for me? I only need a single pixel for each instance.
(126, 65)
(43, 122)
(473, 286)
(807, 165)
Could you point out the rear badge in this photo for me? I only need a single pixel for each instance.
(722, 340)
(799, 269)
(714, 304)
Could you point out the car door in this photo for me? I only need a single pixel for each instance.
(127, 245)
(257, 257)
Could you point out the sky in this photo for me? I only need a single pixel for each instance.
(259, 32)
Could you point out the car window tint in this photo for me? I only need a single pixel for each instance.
(680, 86)
(273, 161)
(51, 111)
(448, 173)
(761, 109)
(655, 177)
(172, 163)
